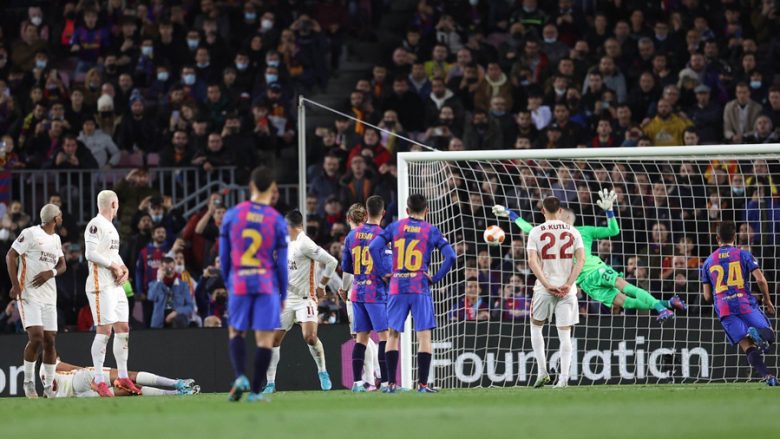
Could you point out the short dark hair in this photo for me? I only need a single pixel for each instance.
(262, 177)
(727, 231)
(167, 260)
(552, 204)
(417, 203)
(160, 226)
(294, 218)
(375, 205)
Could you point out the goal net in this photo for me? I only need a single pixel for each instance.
(670, 202)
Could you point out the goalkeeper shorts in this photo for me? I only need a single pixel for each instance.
(599, 284)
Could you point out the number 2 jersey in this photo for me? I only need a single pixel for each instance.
(253, 250)
(555, 241)
(412, 241)
(727, 271)
(368, 285)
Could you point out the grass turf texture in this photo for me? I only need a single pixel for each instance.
(663, 411)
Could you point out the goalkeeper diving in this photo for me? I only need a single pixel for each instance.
(598, 280)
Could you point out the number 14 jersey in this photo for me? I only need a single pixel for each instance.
(555, 242)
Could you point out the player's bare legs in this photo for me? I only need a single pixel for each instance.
(317, 351)
(564, 335)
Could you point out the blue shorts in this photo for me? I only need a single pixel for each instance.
(421, 307)
(259, 312)
(369, 317)
(736, 325)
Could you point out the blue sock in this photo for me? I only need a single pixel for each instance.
(237, 348)
(262, 360)
(358, 358)
(665, 304)
(392, 365)
(423, 366)
(382, 361)
(757, 361)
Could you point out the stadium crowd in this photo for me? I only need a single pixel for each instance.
(93, 85)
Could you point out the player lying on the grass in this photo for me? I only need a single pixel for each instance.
(727, 271)
(598, 280)
(71, 381)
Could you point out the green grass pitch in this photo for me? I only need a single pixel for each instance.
(625, 412)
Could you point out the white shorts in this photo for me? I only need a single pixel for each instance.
(565, 309)
(38, 314)
(109, 306)
(297, 310)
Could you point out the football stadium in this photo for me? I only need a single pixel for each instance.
(490, 217)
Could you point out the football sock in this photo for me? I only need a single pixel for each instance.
(29, 371)
(423, 366)
(382, 360)
(766, 334)
(49, 370)
(262, 360)
(318, 353)
(121, 347)
(757, 361)
(150, 379)
(368, 363)
(392, 365)
(537, 343)
(99, 356)
(270, 375)
(641, 299)
(358, 358)
(237, 348)
(564, 335)
(153, 391)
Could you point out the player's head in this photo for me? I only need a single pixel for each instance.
(159, 234)
(551, 206)
(356, 215)
(375, 206)
(51, 213)
(294, 220)
(568, 216)
(262, 181)
(417, 205)
(727, 232)
(168, 266)
(108, 203)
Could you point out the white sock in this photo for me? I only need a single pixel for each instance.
(318, 353)
(99, 356)
(150, 379)
(270, 376)
(368, 364)
(377, 371)
(564, 335)
(121, 352)
(48, 374)
(29, 371)
(537, 342)
(153, 391)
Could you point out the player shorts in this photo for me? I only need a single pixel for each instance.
(109, 306)
(259, 312)
(599, 284)
(38, 314)
(369, 317)
(736, 325)
(82, 380)
(420, 305)
(544, 305)
(298, 310)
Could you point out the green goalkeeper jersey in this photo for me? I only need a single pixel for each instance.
(589, 233)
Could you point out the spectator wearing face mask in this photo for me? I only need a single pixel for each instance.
(173, 304)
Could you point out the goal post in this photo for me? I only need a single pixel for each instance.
(670, 202)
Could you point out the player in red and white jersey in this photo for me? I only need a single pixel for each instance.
(556, 255)
(107, 299)
(33, 261)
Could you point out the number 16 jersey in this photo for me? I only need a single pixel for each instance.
(555, 242)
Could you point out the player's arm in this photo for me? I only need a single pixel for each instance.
(224, 245)
(320, 255)
(18, 248)
(92, 254)
(42, 277)
(579, 262)
(347, 264)
(346, 284)
(536, 268)
(377, 248)
(503, 212)
(447, 251)
(706, 288)
(763, 286)
(282, 273)
(606, 202)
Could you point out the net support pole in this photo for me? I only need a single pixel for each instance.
(302, 157)
(405, 348)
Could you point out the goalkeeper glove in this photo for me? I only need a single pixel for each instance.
(502, 212)
(607, 199)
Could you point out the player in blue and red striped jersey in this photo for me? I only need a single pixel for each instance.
(256, 280)
(413, 240)
(369, 291)
(727, 271)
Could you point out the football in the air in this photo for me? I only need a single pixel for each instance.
(494, 235)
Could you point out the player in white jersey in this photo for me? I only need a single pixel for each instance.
(33, 261)
(556, 255)
(302, 294)
(106, 296)
(71, 381)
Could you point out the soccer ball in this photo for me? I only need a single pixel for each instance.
(494, 235)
